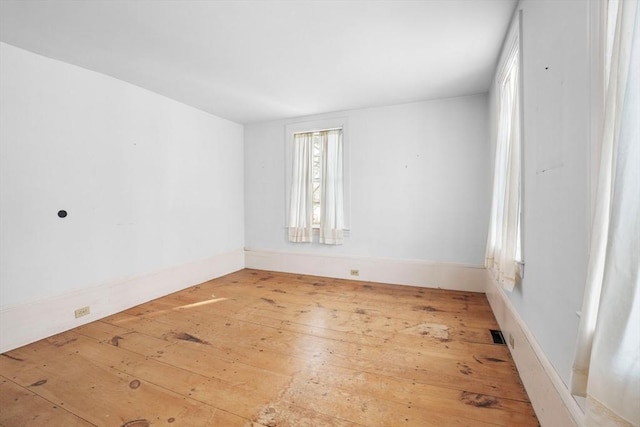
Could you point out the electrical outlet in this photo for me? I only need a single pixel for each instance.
(84, 311)
(512, 342)
(355, 272)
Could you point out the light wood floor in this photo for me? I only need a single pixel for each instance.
(258, 348)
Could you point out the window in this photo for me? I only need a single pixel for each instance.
(316, 180)
(504, 245)
(315, 184)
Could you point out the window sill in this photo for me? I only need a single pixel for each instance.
(316, 231)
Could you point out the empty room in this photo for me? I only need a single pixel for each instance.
(319, 213)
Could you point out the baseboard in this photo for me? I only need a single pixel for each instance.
(26, 323)
(384, 270)
(551, 400)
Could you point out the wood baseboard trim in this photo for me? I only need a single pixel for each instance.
(458, 277)
(30, 322)
(553, 403)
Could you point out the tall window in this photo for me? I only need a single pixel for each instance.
(504, 244)
(316, 178)
(317, 187)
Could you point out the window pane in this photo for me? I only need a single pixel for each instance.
(316, 178)
(315, 196)
(316, 214)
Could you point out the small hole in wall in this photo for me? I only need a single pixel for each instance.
(62, 213)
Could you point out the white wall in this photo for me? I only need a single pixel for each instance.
(556, 174)
(148, 183)
(419, 182)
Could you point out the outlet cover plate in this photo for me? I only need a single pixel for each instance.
(84, 311)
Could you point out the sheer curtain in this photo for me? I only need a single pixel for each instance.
(606, 366)
(301, 224)
(300, 210)
(503, 244)
(332, 201)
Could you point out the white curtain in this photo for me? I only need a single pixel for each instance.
(300, 210)
(503, 244)
(331, 226)
(332, 201)
(607, 362)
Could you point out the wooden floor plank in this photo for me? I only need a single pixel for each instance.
(21, 407)
(359, 321)
(103, 395)
(473, 368)
(258, 348)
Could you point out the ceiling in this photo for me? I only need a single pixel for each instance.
(252, 61)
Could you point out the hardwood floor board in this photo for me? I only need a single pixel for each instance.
(282, 413)
(457, 401)
(387, 313)
(367, 410)
(104, 395)
(426, 311)
(476, 374)
(336, 288)
(203, 359)
(148, 331)
(20, 407)
(450, 302)
(301, 303)
(334, 327)
(198, 387)
(273, 349)
(431, 399)
(485, 355)
(359, 323)
(231, 398)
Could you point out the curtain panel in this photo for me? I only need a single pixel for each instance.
(332, 200)
(301, 209)
(606, 368)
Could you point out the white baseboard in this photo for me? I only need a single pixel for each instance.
(551, 400)
(451, 276)
(29, 322)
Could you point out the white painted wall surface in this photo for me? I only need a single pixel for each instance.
(148, 183)
(418, 182)
(556, 174)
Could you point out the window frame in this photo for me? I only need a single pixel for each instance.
(505, 253)
(317, 126)
(513, 47)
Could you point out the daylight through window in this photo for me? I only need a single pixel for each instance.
(504, 246)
